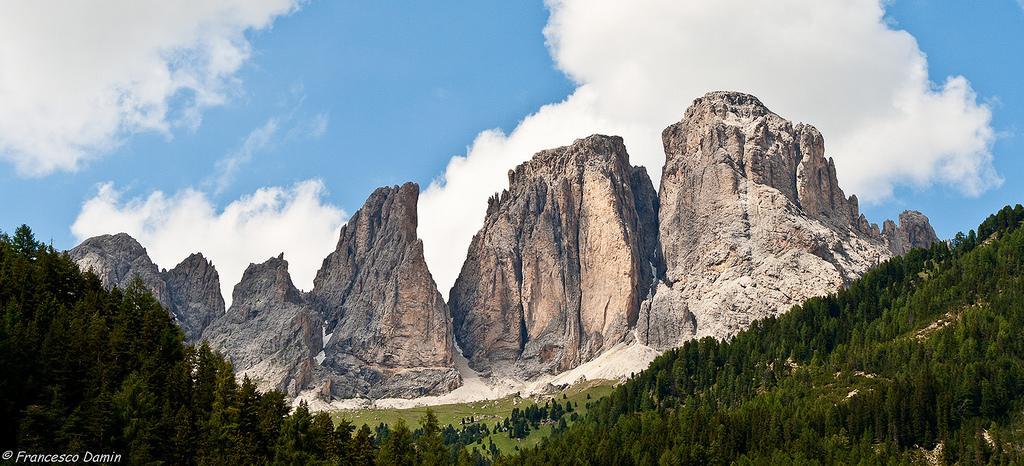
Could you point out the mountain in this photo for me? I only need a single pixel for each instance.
(918, 362)
(193, 288)
(580, 254)
(753, 221)
(270, 333)
(190, 291)
(374, 324)
(912, 232)
(389, 330)
(116, 260)
(580, 251)
(564, 258)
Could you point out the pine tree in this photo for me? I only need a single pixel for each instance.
(24, 242)
(397, 449)
(323, 439)
(343, 440)
(429, 445)
(364, 452)
(295, 444)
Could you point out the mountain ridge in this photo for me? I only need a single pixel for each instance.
(578, 255)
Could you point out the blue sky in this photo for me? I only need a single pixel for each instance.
(365, 94)
(403, 88)
(985, 42)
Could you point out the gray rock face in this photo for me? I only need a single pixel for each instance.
(579, 254)
(193, 287)
(190, 291)
(564, 259)
(914, 231)
(270, 333)
(116, 260)
(390, 329)
(753, 221)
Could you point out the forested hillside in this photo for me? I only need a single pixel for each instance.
(922, 359)
(85, 369)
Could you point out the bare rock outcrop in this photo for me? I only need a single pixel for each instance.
(117, 260)
(579, 254)
(752, 221)
(389, 330)
(193, 288)
(270, 333)
(190, 291)
(373, 326)
(913, 231)
(564, 259)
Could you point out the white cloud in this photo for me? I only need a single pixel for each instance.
(257, 140)
(295, 220)
(639, 64)
(77, 77)
(313, 128)
(262, 139)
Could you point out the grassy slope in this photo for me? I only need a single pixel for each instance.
(488, 412)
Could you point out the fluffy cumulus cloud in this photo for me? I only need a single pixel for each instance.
(77, 77)
(841, 66)
(295, 220)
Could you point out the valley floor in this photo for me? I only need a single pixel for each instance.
(489, 412)
(614, 365)
(488, 401)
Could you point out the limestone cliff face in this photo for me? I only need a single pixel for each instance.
(190, 291)
(565, 256)
(753, 221)
(579, 254)
(116, 260)
(913, 231)
(270, 333)
(390, 330)
(193, 287)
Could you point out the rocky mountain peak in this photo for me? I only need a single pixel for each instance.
(270, 333)
(726, 105)
(913, 231)
(737, 130)
(381, 306)
(389, 214)
(596, 149)
(265, 283)
(752, 221)
(190, 291)
(193, 287)
(566, 253)
(116, 260)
